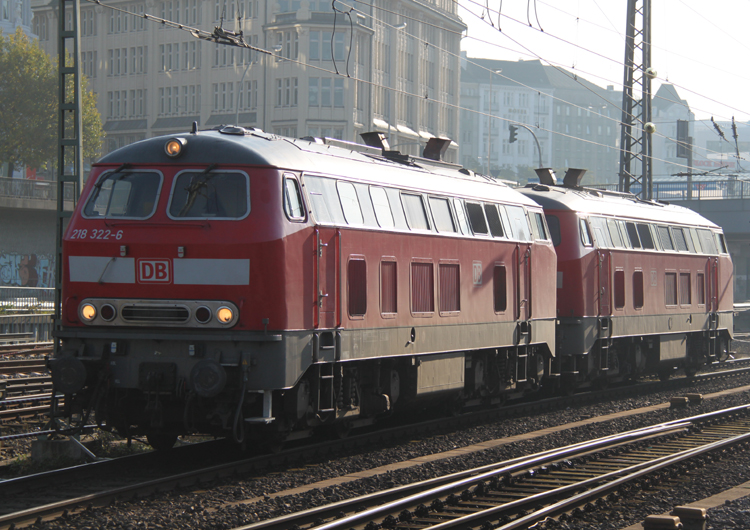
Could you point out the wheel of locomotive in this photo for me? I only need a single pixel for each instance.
(161, 441)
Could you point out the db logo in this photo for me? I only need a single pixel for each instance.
(153, 271)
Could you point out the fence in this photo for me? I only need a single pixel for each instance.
(701, 189)
(33, 189)
(27, 299)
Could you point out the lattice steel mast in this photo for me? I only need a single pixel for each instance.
(635, 140)
(70, 133)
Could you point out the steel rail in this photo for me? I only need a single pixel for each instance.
(456, 481)
(393, 500)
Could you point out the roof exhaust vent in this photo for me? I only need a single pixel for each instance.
(573, 177)
(546, 176)
(436, 148)
(376, 139)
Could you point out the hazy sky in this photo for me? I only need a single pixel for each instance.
(701, 47)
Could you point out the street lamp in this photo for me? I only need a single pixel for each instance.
(489, 122)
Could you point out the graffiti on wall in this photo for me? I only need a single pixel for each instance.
(27, 270)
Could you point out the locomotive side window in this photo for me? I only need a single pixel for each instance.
(619, 289)
(394, 199)
(614, 233)
(449, 276)
(416, 215)
(365, 203)
(680, 241)
(476, 218)
(500, 289)
(129, 195)
(388, 292)
(665, 238)
(357, 282)
(350, 203)
(585, 235)
(538, 223)
(382, 207)
(700, 288)
(670, 288)
(441, 214)
(519, 223)
(461, 216)
(638, 289)
(707, 241)
(216, 195)
(721, 243)
(601, 232)
(324, 200)
(293, 200)
(554, 228)
(685, 294)
(695, 239)
(493, 219)
(624, 234)
(422, 288)
(644, 233)
(635, 241)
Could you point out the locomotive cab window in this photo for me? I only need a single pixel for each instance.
(215, 195)
(293, 206)
(538, 228)
(585, 234)
(721, 243)
(553, 222)
(124, 194)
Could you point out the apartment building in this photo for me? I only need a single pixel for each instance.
(389, 66)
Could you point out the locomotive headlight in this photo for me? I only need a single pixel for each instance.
(224, 315)
(88, 312)
(174, 147)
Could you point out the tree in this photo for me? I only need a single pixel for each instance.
(29, 92)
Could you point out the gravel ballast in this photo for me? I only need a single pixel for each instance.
(223, 504)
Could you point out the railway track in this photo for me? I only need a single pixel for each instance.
(521, 492)
(47, 495)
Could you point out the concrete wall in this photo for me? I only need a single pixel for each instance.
(27, 247)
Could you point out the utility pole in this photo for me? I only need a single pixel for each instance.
(70, 133)
(637, 128)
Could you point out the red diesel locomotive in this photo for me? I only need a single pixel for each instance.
(238, 283)
(642, 286)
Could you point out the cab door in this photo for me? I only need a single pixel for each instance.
(604, 265)
(327, 310)
(523, 282)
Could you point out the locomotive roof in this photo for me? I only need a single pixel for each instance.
(354, 162)
(613, 204)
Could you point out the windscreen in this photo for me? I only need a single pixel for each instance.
(218, 195)
(124, 194)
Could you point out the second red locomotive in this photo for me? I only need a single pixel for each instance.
(642, 286)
